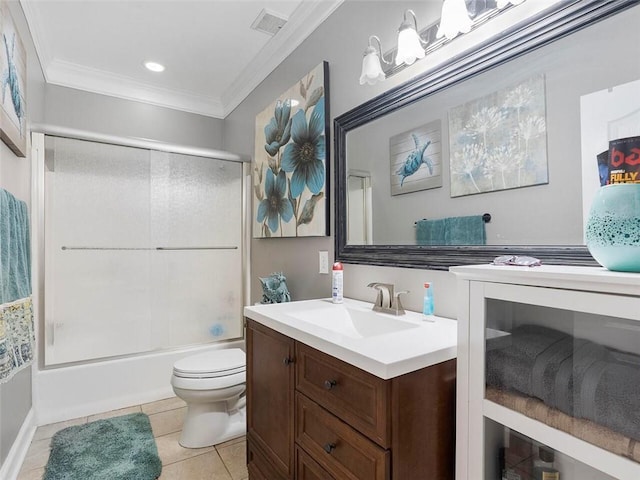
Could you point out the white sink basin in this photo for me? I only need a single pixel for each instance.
(379, 343)
(351, 322)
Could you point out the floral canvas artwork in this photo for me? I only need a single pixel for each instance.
(416, 159)
(499, 141)
(13, 64)
(290, 197)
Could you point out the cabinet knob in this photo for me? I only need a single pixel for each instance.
(287, 360)
(329, 384)
(329, 447)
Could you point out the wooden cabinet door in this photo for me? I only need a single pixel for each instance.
(270, 395)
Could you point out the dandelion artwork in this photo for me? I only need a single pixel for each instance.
(13, 84)
(290, 163)
(415, 159)
(499, 141)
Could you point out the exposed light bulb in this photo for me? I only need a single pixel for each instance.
(454, 19)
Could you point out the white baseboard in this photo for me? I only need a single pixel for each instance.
(11, 466)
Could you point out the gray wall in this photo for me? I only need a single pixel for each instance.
(15, 176)
(68, 107)
(340, 40)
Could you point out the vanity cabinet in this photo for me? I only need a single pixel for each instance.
(338, 422)
(270, 393)
(548, 359)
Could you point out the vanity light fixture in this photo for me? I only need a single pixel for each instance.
(414, 44)
(154, 66)
(371, 69)
(410, 45)
(454, 19)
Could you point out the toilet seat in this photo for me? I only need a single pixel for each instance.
(215, 364)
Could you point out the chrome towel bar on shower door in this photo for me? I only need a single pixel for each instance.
(151, 248)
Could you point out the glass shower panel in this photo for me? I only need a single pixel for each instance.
(97, 282)
(143, 250)
(196, 206)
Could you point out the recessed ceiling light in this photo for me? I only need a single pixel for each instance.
(154, 67)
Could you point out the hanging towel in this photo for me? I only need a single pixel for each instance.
(468, 230)
(465, 231)
(15, 253)
(17, 337)
(430, 232)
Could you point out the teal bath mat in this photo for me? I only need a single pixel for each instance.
(120, 448)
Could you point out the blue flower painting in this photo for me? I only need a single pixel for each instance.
(12, 84)
(290, 164)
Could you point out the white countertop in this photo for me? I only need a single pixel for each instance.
(558, 276)
(386, 355)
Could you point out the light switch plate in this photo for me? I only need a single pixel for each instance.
(323, 262)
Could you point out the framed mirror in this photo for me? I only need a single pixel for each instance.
(515, 99)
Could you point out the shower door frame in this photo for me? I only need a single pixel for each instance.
(38, 133)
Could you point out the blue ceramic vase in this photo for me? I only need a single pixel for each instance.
(613, 227)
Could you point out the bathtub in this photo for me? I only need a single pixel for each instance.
(68, 392)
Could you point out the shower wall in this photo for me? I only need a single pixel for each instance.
(143, 250)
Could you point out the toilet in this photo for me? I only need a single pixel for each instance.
(213, 385)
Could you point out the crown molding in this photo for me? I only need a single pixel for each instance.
(71, 75)
(35, 24)
(302, 22)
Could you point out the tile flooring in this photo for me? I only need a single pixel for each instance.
(226, 461)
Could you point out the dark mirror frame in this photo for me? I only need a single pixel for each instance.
(562, 20)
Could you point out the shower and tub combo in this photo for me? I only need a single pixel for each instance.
(131, 237)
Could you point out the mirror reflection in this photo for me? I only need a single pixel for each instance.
(506, 142)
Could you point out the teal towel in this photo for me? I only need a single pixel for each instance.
(431, 232)
(15, 249)
(452, 231)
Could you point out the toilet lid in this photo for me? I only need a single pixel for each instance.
(218, 363)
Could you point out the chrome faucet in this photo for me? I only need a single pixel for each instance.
(387, 301)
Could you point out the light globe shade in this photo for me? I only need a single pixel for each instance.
(371, 68)
(409, 46)
(504, 3)
(454, 19)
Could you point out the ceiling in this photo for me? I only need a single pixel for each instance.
(213, 58)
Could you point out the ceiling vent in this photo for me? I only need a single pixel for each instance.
(268, 22)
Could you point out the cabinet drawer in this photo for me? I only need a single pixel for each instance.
(338, 448)
(308, 469)
(353, 395)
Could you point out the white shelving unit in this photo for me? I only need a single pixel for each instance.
(584, 302)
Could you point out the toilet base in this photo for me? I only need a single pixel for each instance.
(204, 427)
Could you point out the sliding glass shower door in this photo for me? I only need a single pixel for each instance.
(143, 250)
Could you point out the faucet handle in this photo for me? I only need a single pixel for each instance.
(397, 304)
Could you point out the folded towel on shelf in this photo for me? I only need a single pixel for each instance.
(570, 376)
(577, 377)
(469, 230)
(616, 400)
(15, 251)
(512, 367)
(17, 337)
(545, 369)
